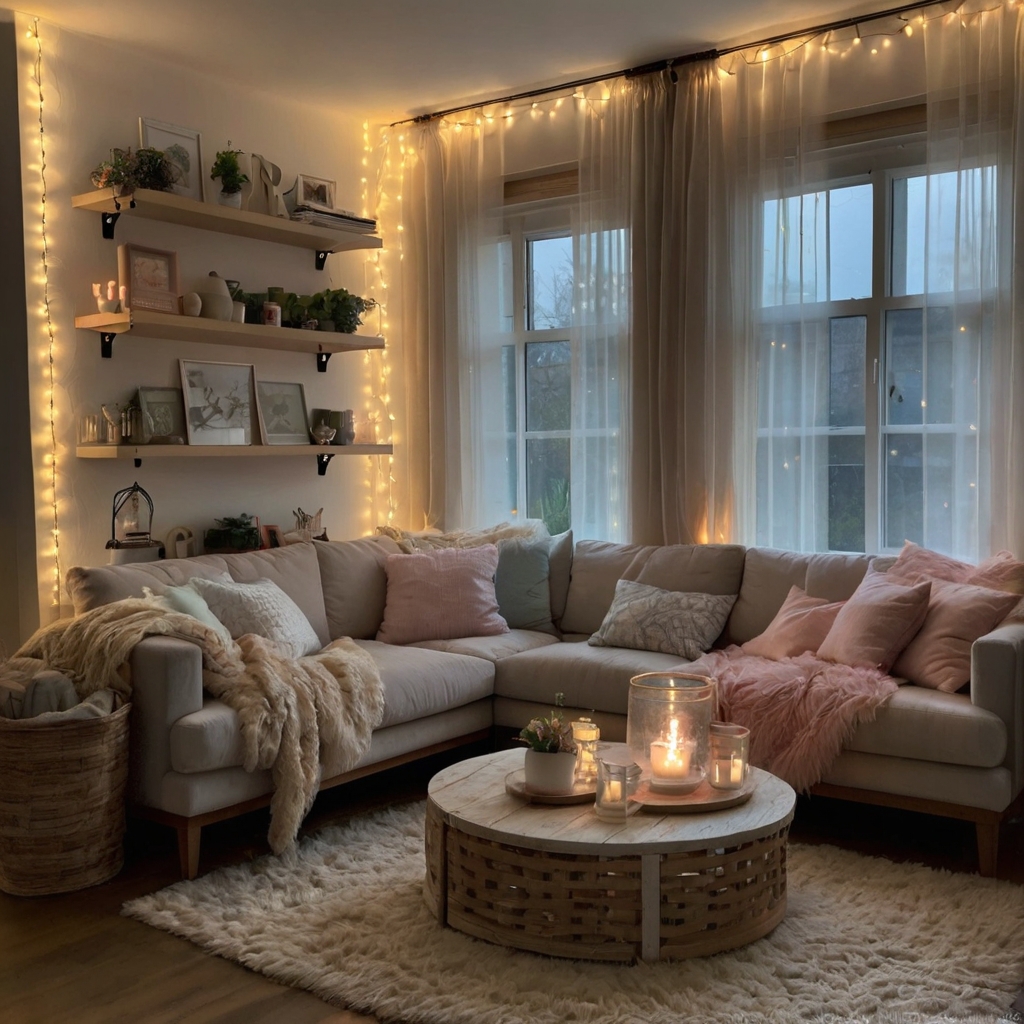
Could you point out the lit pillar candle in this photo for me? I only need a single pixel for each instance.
(613, 791)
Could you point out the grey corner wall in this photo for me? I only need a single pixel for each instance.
(19, 605)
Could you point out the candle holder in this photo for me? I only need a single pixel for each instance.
(730, 751)
(585, 735)
(616, 784)
(667, 729)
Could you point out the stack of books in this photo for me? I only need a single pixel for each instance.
(322, 216)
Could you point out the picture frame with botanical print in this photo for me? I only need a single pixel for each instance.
(183, 148)
(163, 415)
(270, 534)
(149, 278)
(219, 401)
(282, 408)
(315, 191)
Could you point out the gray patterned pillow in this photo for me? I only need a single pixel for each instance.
(647, 618)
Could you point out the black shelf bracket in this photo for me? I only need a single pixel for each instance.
(321, 258)
(107, 344)
(322, 462)
(138, 461)
(107, 223)
(322, 359)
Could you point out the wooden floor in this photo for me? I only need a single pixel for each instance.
(73, 958)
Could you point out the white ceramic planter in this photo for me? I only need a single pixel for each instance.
(550, 774)
(232, 199)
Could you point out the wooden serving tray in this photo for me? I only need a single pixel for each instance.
(704, 798)
(582, 792)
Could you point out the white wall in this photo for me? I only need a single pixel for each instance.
(94, 93)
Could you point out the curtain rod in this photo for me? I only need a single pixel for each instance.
(672, 62)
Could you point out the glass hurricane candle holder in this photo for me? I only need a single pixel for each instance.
(616, 784)
(730, 750)
(585, 734)
(667, 729)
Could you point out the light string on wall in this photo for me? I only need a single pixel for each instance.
(46, 312)
(381, 420)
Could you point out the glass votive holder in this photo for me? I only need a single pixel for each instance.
(585, 735)
(616, 784)
(730, 753)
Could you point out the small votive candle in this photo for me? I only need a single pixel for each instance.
(730, 749)
(672, 769)
(585, 734)
(616, 783)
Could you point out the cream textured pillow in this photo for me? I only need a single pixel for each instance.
(189, 601)
(441, 595)
(876, 623)
(800, 625)
(645, 618)
(262, 608)
(939, 656)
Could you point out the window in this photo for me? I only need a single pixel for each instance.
(871, 337)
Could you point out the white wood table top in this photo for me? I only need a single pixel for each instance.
(471, 797)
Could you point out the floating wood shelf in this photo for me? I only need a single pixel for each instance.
(323, 453)
(173, 209)
(222, 332)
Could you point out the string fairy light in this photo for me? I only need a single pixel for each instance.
(47, 313)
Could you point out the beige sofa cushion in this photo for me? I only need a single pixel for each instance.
(686, 568)
(768, 575)
(590, 677)
(493, 648)
(417, 684)
(293, 568)
(354, 584)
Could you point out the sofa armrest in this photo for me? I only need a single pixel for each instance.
(997, 685)
(167, 683)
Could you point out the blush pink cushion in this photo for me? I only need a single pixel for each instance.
(800, 625)
(939, 656)
(441, 595)
(877, 622)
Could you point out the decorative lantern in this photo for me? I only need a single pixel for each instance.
(668, 728)
(730, 755)
(130, 527)
(617, 781)
(585, 735)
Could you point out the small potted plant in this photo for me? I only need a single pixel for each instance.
(226, 167)
(337, 309)
(126, 171)
(550, 766)
(233, 533)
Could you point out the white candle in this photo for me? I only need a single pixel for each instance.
(613, 791)
(670, 759)
(736, 772)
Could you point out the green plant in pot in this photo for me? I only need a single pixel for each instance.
(550, 764)
(233, 533)
(232, 178)
(337, 309)
(126, 171)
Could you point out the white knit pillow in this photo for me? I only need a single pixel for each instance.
(262, 608)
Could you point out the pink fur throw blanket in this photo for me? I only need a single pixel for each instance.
(294, 713)
(800, 711)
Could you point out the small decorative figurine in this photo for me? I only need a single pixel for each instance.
(322, 433)
(110, 304)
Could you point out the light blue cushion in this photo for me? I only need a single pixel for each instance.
(188, 601)
(521, 583)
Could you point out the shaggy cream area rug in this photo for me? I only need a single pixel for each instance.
(864, 939)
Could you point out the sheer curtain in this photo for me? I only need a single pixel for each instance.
(488, 419)
(881, 313)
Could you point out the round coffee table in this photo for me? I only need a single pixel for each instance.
(558, 880)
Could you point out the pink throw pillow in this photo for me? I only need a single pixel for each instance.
(1001, 572)
(800, 625)
(877, 622)
(441, 595)
(939, 657)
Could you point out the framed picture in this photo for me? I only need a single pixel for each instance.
(149, 277)
(183, 148)
(271, 536)
(218, 401)
(283, 418)
(163, 415)
(315, 190)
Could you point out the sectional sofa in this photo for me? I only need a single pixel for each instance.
(955, 754)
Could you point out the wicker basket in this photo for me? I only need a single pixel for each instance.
(62, 803)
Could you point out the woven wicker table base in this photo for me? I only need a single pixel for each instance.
(558, 881)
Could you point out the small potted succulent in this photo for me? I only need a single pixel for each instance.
(232, 178)
(126, 171)
(550, 766)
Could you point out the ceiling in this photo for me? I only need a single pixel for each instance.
(391, 59)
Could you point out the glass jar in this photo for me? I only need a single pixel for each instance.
(730, 755)
(585, 735)
(617, 782)
(668, 728)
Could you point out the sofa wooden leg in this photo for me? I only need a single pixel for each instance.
(188, 849)
(988, 847)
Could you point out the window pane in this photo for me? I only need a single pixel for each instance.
(846, 493)
(818, 246)
(903, 490)
(508, 384)
(943, 231)
(551, 277)
(547, 482)
(847, 355)
(548, 385)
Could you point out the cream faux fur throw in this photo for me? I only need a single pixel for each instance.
(294, 713)
(411, 542)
